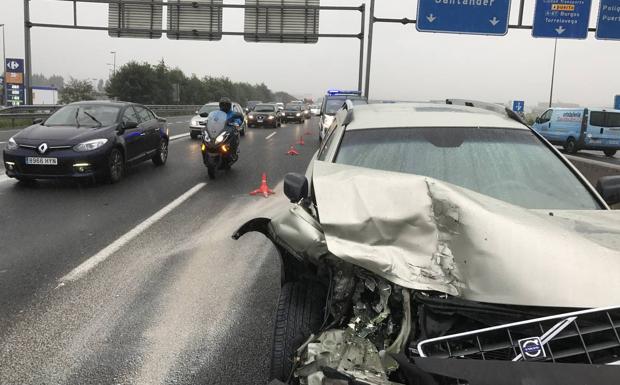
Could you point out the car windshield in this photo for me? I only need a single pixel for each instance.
(207, 108)
(333, 104)
(507, 164)
(293, 107)
(84, 115)
(264, 108)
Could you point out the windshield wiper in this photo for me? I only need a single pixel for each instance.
(93, 118)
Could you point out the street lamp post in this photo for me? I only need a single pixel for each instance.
(3, 66)
(114, 53)
(555, 49)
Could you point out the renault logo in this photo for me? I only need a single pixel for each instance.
(42, 148)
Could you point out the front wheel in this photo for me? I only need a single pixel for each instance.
(211, 171)
(300, 313)
(570, 146)
(161, 156)
(610, 153)
(193, 135)
(116, 166)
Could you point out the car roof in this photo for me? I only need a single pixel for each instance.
(104, 103)
(427, 115)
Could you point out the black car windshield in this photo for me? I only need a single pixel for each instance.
(264, 108)
(333, 104)
(507, 164)
(208, 108)
(293, 107)
(87, 115)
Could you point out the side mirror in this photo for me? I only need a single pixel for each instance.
(609, 188)
(295, 187)
(37, 120)
(204, 115)
(129, 125)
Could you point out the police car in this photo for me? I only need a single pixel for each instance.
(332, 102)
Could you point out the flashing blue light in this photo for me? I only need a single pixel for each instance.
(341, 92)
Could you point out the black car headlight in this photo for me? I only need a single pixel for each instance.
(12, 144)
(90, 145)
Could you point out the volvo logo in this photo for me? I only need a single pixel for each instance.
(532, 349)
(42, 148)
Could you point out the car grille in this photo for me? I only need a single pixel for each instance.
(587, 337)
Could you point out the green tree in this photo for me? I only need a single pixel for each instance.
(133, 82)
(77, 90)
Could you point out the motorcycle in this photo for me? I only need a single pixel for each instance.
(220, 140)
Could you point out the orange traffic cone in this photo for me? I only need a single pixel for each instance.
(263, 189)
(292, 150)
(301, 141)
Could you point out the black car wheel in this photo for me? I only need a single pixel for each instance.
(610, 153)
(116, 166)
(193, 135)
(242, 133)
(161, 156)
(300, 313)
(570, 146)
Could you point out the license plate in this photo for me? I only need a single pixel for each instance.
(42, 161)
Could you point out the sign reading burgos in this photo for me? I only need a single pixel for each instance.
(478, 17)
(14, 82)
(562, 19)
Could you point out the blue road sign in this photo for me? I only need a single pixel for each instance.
(14, 65)
(617, 102)
(562, 19)
(608, 25)
(518, 105)
(478, 17)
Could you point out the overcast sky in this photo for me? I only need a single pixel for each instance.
(406, 64)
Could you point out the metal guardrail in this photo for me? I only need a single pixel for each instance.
(43, 111)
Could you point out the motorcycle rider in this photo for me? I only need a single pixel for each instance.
(233, 120)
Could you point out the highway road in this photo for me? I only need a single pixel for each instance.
(140, 282)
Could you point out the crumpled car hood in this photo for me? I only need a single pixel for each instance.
(425, 234)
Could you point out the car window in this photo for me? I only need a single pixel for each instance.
(130, 115)
(143, 114)
(264, 108)
(605, 119)
(87, 115)
(546, 116)
(507, 164)
(597, 118)
(207, 108)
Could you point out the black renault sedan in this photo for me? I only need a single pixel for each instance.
(92, 140)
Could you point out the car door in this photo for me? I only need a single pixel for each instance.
(149, 126)
(134, 140)
(543, 124)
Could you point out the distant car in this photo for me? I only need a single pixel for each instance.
(333, 100)
(315, 110)
(581, 129)
(198, 123)
(294, 113)
(264, 115)
(251, 104)
(87, 140)
(306, 110)
(280, 106)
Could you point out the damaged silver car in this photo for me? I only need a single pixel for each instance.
(443, 244)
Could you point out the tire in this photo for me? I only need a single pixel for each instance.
(193, 135)
(116, 166)
(161, 155)
(570, 146)
(610, 153)
(242, 133)
(300, 313)
(211, 172)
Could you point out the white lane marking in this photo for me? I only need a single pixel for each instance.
(270, 135)
(3, 142)
(174, 137)
(4, 178)
(113, 247)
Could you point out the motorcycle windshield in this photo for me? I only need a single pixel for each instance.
(216, 123)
